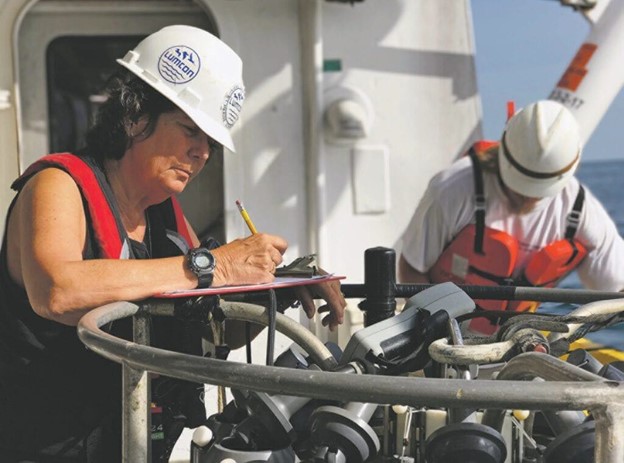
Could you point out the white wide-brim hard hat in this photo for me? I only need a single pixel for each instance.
(540, 149)
(196, 71)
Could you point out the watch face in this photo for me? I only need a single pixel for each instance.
(202, 263)
(203, 260)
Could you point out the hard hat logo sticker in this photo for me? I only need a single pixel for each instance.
(179, 64)
(232, 106)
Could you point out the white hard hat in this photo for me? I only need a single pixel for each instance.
(540, 149)
(197, 72)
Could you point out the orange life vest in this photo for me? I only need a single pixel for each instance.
(483, 256)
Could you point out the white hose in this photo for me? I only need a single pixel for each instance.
(593, 308)
(443, 352)
(287, 326)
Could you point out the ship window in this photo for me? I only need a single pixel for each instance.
(77, 68)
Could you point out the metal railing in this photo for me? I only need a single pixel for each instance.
(604, 399)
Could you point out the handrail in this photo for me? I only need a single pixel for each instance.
(604, 398)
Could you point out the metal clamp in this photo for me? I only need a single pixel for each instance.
(300, 267)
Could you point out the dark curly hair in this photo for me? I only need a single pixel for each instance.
(128, 99)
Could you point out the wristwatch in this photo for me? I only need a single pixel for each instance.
(202, 263)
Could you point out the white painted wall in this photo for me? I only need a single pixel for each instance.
(9, 161)
(266, 172)
(413, 61)
(417, 76)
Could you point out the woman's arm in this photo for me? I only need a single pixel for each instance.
(46, 238)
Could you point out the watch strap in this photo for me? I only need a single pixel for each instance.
(205, 280)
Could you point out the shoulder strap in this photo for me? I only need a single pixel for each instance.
(110, 234)
(574, 217)
(479, 201)
(182, 229)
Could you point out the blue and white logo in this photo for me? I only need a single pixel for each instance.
(179, 64)
(232, 105)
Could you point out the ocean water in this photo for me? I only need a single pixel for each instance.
(602, 178)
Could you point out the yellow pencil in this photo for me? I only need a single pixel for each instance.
(246, 217)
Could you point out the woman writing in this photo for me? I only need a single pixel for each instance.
(103, 225)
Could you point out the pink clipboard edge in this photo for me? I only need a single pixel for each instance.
(285, 282)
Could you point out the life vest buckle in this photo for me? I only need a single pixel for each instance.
(480, 202)
(574, 218)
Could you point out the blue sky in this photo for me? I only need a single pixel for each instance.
(522, 49)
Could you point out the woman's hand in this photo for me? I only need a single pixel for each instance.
(253, 260)
(330, 292)
(250, 260)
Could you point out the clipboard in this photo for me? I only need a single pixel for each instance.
(279, 282)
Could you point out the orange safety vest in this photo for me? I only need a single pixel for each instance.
(482, 256)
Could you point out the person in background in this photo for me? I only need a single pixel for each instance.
(512, 212)
(104, 225)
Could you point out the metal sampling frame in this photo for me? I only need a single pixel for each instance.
(573, 389)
